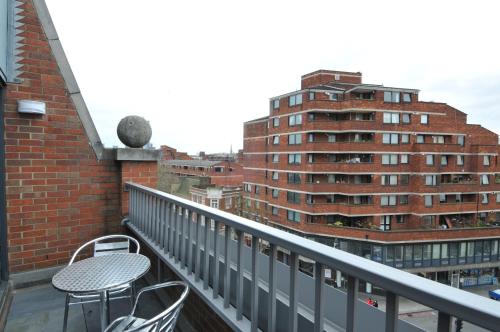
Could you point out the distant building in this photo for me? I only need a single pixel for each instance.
(374, 171)
(220, 197)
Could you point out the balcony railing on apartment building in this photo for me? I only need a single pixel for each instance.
(256, 291)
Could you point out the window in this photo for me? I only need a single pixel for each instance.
(257, 189)
(484, 199)
(257, 205)
(461, 140)
(388, 200)
(429, 159)
(276, 158)
(310, 158)
(420, 139)
(293, 197)
(274, 210)
(404, 159)
(228, 202)
(444, 160)
(389, 138)
(424, 119)
(274, 175)
(295, 100)
(294, 159)
(333, 96)
(406, 118)
(276, 122)
(460, 160)
(293, 216)
(276, 104)
(428, 220)
(389, 180)
(331, 138)
(442, 198)
(311, 95)
(247, 187)
(249, 203)
(405, 138)
(484, 179)
(428, 200)
(431, 180)
(406, 97)
(498, 197)
(294, 178)
(404, 179)
(294, 139)
(276, 140)
(389, 159)
(295, 120)
(391, 117)
(385, 223)
(486, 160)
(403, 199)
(438, 139)
(391, 97)
(401, 219)
(214, 203)
(310, 137)
(275, 193)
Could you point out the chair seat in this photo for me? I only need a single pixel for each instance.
(130, 322)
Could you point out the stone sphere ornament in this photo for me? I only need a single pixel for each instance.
(134, 131)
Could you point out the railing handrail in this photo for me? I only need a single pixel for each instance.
(469, 307)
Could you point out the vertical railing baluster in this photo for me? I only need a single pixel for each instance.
(319, 281)
(190, 243)
(173, 212)
(444, 322)
(352, 301)
(177, 238)
(391, 311)
(254, 297)
(215, 276)
(161, 235)
(271, 306)
(182, 238)
(165, 230)
(239, 277)
(206, 254)
(140, 215)
(197, 253)
(147, 215)
(158, 221)
(294, 270)
(156, 218)
(227, 266)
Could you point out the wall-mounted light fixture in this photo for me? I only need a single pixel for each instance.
(31, 106)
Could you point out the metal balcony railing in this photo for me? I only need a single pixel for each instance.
(255, 291)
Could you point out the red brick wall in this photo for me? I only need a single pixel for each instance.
(58, 194)
(140, 172)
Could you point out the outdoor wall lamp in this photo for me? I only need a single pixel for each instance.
(31, 106)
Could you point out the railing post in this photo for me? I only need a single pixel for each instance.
(271, 311)
(319, 281)
(227, 266)
(239, 278)
(177, 236)
(254, 298)
(391, 312)
(444, 322)
(352, 301)
(166, 221)
(292, 295)
(173, 211)
(182, 238)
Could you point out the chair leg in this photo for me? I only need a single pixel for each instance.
(66, 308)
(132, 295)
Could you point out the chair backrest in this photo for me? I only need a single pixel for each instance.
(107, 245)
(165, 321)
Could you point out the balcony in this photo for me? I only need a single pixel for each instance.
(257, 291)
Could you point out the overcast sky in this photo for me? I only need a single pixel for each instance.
(198, 69)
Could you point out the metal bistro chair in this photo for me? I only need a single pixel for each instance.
(103, 246)
(163, 322)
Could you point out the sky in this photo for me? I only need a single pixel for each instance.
(196, 70)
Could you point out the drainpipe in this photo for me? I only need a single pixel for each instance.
(4, 262)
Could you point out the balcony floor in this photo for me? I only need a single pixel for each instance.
(41, 308)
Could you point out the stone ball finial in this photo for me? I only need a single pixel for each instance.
(134, 131)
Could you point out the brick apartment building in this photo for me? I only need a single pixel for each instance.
(372, 170)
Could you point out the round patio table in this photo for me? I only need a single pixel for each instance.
(99, 275)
